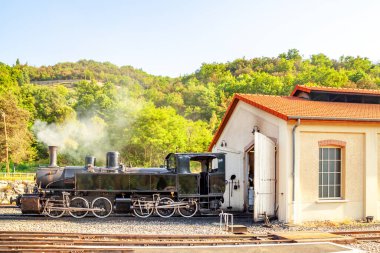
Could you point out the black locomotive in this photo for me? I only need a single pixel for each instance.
(187, 184)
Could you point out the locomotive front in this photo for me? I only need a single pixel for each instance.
(189, 183)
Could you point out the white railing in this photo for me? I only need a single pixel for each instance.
(226, 221)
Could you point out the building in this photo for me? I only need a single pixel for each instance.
(312, 155)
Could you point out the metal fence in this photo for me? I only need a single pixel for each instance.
(17, 176)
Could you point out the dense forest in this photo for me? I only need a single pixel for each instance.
(91, 107)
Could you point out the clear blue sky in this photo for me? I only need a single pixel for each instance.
(174, 37)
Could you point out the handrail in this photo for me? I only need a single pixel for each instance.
(17, 176)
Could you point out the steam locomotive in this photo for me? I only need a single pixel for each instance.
(188, 183)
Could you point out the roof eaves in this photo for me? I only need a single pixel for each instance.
(264, 108)
(230, 109)
(333, 119)
(224, 121)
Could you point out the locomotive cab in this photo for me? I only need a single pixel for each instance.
(199, 174)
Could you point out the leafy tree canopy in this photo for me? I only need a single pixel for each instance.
(146, 116)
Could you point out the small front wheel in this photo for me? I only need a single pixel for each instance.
(103, 207)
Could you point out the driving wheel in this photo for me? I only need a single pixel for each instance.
(143, 208)
(78, 202)
(104, 205)
(188, 208)
(52, 208)
(165, 207)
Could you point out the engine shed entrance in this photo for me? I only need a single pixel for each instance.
(251, 178)
(250, 140)
(260, 168)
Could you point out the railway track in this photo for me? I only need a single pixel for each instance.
(79, 242)
(237, 215)
(368, 235)
(82, 242)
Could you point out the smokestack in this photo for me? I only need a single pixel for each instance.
(112, 160)
(53, 156)
(89, 160)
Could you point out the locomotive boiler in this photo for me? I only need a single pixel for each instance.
(188, 183)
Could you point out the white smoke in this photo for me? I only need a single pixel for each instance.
(92, 135)
(75, 137)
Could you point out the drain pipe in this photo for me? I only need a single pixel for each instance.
(294, 165)
(294, 154)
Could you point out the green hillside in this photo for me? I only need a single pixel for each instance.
(90, 107)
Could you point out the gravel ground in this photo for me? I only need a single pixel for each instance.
(109, 225)
(9, 220)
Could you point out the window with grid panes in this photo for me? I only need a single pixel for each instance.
(330, 173)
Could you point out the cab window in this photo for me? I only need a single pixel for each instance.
(171, 162)
(201, 164)
(195, 166)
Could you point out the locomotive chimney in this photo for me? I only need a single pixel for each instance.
(53, 156)
(89, 160)
(112, 160)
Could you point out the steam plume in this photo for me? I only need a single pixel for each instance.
(75, 137)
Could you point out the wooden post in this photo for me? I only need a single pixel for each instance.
(6, 143)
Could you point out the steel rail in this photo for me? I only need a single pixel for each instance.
(69, 250)
(128, 236)
(59, 248)
(85, 242)
(355, 232)
(139, 243)
(66, 242)
(63, 238)
(374, 235)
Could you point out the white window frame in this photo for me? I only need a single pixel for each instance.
(330, 173)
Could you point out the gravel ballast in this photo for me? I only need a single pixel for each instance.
(12, 220)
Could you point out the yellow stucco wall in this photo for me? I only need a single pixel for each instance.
(378, 171)
(353, 161)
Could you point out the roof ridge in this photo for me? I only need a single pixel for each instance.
(340, 88)
(258, 94)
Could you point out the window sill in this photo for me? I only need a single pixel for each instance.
(320, 201)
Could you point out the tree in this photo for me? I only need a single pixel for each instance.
(94, 99)
(19, 137)
(147, 116)
(8, 83)
(51, 104)
(292, 54)
(158, 131)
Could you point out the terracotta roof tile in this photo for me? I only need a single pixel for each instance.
(309, 89)
(288, 108)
